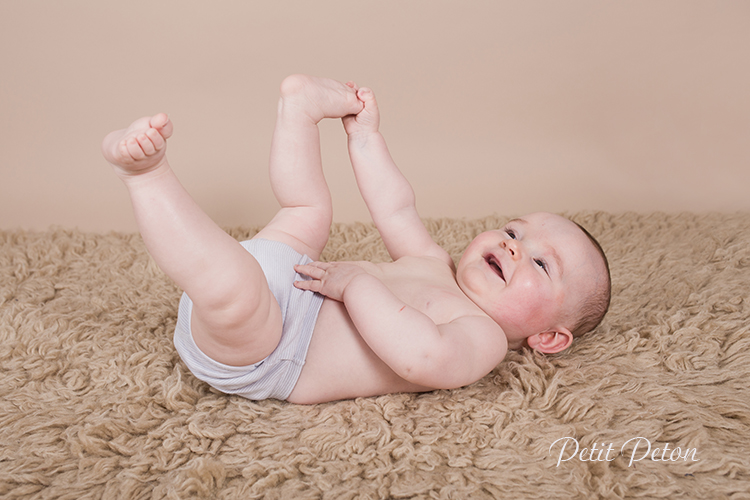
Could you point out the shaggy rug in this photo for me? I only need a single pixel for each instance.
(95, 402)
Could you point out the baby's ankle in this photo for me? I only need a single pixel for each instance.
(312, 98)
(156, 169)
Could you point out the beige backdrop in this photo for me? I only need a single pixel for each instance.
(488, 106)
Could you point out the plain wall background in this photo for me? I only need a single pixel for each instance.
(488, 106)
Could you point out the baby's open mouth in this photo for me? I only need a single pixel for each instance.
(495, 265)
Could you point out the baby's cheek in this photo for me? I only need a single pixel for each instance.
(532, 291)
(537, 303)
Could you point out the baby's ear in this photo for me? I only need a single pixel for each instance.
(551, 342)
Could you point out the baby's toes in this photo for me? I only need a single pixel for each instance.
(156, 139)
(146, 144)
(134, 149)
(162, 124)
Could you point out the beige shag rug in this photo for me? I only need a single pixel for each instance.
(95, 403)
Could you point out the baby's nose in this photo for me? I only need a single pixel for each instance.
(512, 248)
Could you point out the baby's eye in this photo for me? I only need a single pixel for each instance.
(541, 263)
(511, 233)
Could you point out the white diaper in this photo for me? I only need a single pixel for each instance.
(275, 376)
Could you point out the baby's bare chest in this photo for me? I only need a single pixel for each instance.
(428, 286)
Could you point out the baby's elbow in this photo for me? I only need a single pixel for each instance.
(415, 370)
(431, 371)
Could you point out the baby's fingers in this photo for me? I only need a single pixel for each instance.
(312, 285)
(315, 270)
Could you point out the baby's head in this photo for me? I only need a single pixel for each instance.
(543, 278)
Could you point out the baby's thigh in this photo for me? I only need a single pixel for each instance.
(241, 335)
(250, 329)
(244, 328)
(305, 229)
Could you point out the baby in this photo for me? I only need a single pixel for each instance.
(265, 319)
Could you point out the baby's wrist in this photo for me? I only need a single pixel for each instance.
(361, 138)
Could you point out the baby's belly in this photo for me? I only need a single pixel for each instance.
(340, 364)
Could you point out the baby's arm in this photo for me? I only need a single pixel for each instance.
(388, 195)
(443, 356)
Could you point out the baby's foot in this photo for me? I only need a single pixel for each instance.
(367, 120)
(139, 148)
(318, 98)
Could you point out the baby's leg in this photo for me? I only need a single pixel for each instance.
(295, 165)
(235, 319)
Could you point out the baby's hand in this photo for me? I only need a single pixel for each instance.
(367, 120)
(328, 278)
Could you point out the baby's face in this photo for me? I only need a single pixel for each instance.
(530, 276)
